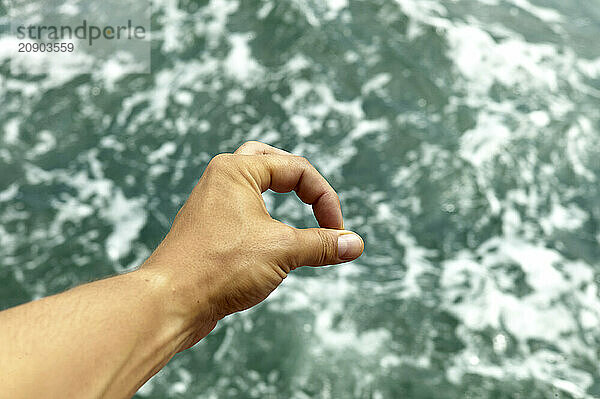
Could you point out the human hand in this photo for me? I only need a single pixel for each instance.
(224, 252)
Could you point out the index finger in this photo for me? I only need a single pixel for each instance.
(285, 173)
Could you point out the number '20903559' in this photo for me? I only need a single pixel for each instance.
(46, 47)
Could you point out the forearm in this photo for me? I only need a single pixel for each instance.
(223, 254)
(103, 339)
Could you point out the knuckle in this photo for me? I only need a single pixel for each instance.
(302, 160)
(222, 157)
(247, 145)
(251, 147)
(219, 161)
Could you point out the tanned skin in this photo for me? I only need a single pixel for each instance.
(223, 254)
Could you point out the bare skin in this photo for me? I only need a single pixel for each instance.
(223, 254)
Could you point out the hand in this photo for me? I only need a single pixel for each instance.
(224, 252)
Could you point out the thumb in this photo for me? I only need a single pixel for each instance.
(320, 247)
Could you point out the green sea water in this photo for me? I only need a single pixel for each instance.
(462, 137)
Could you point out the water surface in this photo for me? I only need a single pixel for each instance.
(461, 135)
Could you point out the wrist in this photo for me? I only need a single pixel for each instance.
(180, 307)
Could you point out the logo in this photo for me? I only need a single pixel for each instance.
(79, 33)
(85, 31)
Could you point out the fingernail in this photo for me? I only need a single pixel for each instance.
(349, 246)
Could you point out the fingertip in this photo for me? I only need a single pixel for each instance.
(328, 213)
(349, 246)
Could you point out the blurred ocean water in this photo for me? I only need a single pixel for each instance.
(462, 136)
